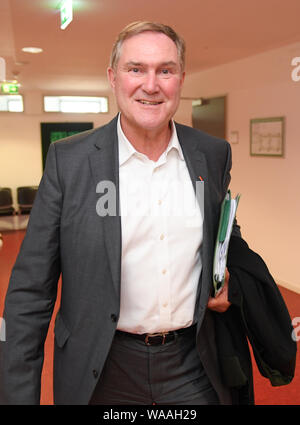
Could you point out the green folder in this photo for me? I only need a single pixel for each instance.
(227, 216)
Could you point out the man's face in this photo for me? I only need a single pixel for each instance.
(147, 82)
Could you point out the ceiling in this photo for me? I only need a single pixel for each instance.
(74, 60)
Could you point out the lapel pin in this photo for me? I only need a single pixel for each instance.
(200, 178)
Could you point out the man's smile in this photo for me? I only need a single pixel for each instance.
(149, 102)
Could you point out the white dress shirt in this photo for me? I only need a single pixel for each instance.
(162, 231)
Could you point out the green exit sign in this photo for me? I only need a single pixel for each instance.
(66, 13)
(10, 88)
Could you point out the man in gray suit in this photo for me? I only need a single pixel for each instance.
(117, 215)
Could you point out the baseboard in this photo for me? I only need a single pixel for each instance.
(13, 222)
(291, 286)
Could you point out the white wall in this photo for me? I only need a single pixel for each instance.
(269, 211)
(20, 139)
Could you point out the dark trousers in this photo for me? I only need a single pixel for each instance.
(135, 373)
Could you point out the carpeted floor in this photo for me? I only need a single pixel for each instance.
(265, 394)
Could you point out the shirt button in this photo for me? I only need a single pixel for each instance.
(95, 373)
(159, 202)
(165, 304)
(164, 271)
(162, 236)
(113, 317)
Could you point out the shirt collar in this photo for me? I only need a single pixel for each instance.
(126, 150)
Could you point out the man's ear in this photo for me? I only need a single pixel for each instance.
(111, 77)
(182, 78)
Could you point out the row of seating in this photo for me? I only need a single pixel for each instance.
(25, 198)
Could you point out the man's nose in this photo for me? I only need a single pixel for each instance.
(150, 83)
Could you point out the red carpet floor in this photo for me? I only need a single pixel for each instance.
(265, 394)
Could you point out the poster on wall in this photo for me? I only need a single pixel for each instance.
(267, 136)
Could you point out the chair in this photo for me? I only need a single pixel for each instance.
(25, 198)
(6, 202)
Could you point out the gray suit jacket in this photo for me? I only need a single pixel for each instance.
(66, 235)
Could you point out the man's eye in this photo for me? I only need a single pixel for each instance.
(135, 70)
(165, 71)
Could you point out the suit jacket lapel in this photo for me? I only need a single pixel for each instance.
(197, 166)
(104, 163)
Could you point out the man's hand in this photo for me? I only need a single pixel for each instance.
(220, 303)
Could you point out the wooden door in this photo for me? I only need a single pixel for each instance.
(210, 116)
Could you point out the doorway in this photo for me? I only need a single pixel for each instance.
(210, 116)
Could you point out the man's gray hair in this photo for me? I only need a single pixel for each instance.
(141, 26)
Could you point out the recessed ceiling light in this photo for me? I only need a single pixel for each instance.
(32, 49)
